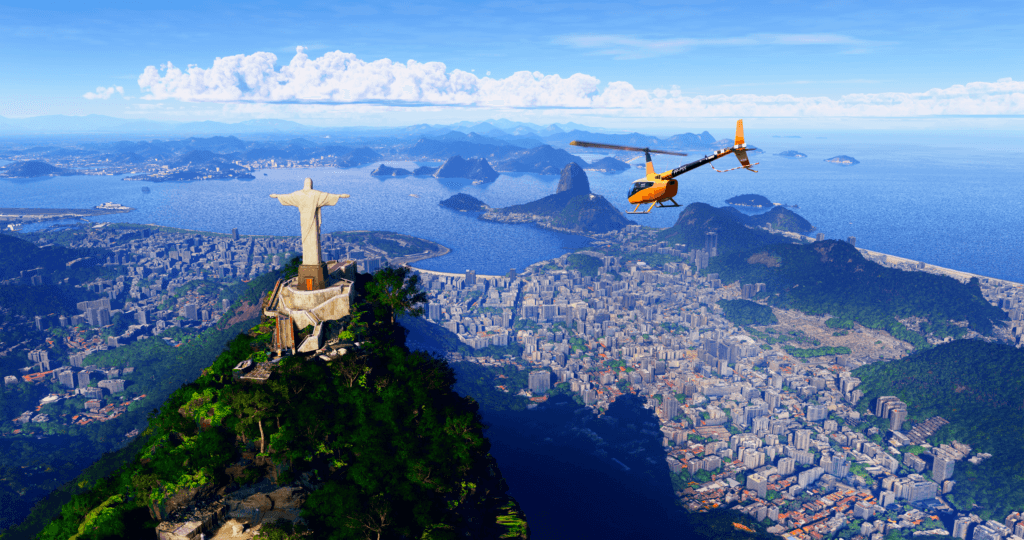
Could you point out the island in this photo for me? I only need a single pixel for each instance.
(607, 165)
(464, 203)
(424, 171)
(384, 170)
(472, 168)
(793, 154)
(33, 169)
(750, 199)
(842, 160)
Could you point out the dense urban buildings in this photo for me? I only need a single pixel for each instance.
(750, 427)
(744, 424)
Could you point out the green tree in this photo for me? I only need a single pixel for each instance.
(396, 292)
(253, 407)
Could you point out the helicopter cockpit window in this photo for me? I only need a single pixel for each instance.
(638, 186)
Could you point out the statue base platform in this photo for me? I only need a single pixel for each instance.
(312, 277)
(295, 307)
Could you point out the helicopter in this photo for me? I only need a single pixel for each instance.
(657, 189)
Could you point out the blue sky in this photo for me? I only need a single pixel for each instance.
(614, 64)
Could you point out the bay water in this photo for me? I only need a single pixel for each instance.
(949, 199)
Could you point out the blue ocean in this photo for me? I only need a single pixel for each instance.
(949, 199)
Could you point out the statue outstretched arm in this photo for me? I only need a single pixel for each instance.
(331, 199)
(286, 200)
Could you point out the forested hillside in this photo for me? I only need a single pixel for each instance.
(379, 434)
(832, 277)
(976, 386)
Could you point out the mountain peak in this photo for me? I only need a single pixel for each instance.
(574, 180)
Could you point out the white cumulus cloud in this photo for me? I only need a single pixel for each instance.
(103, 93)
(339, 78)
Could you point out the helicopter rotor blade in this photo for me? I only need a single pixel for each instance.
(617, 147)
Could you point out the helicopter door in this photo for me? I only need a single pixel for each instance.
(638, 187)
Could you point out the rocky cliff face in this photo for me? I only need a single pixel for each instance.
(572, 207)
(573, 180)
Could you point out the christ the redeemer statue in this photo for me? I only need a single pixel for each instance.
(309, 201)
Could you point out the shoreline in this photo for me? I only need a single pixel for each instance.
(48, 214)
(893, 261)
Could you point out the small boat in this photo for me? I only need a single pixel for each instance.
(112, 206)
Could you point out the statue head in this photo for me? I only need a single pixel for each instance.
(308, 184)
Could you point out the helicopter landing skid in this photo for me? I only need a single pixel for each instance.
(648, 211)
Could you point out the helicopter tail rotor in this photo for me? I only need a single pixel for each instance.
(739, 149)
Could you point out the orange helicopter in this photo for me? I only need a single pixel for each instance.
(658, 188)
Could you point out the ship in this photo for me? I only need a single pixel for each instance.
(112, 206)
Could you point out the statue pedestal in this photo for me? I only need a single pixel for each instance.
(295, 308)
(311, 277)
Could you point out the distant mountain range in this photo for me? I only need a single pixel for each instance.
(504, 146)
(498, 134)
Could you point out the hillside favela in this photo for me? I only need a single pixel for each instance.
(530, 273)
